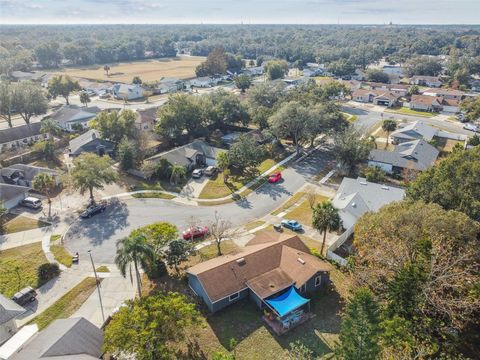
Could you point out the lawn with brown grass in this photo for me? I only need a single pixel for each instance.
(303, 213)
(182, 67)
(15, 223)
(18, 268)
(289, 203)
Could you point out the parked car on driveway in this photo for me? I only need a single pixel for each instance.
(31, 202)
(275, 177)
(25, 296)
(470, 127)
(92, 210)
(210, 171)
(197, 173)
(198, 231)
(292, 225)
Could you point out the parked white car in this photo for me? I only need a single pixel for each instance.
(470, 127)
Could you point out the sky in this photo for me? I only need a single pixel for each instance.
(238, 11)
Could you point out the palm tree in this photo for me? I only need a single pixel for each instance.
(107, 69)
(325, 218)
(178, 173)
(388, 126)
(84, 98)
(134, 249)
(45, 184)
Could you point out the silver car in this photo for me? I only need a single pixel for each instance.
(31, 202)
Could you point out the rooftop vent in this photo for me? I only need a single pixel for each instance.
(301, 261)
(241, 261)
(354, 205)
(271, 285)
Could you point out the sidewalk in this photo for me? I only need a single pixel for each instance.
(25, 237)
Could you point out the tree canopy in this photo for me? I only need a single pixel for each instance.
(115, 125)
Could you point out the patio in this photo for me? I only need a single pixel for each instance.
(279, 328)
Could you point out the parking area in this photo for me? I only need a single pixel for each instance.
(194, 187)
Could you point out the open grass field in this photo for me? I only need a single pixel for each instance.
(67, 304)
(18, 268)
(149, 70)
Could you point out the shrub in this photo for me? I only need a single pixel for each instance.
(47, 271)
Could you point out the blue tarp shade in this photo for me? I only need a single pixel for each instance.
(287, 302)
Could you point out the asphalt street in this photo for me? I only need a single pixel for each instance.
(100, 233)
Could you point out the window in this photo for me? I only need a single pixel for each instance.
(318, 281)
(234, 297)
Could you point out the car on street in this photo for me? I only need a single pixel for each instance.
(31, 202)
(25, 296)
(292, 225)
(93, 209)
(470, 127)
(275, 177)
(197, 173)
(197, 231)
(210, 170)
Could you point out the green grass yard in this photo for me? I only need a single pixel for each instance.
(407, 111)
(303, 213)
(289, 203)
(67, 304)
(18, 268)
(153, 195)
(61, 254)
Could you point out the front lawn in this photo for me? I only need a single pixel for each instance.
(15, 223)
(61, 254)
(254, 224)
(67, 305)
(303, 213)
(407, 111)
(18, 268)
(153, 195)
(210, 251)
(289, 203)
(217, 188)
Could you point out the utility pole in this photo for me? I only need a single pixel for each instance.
(98, 285)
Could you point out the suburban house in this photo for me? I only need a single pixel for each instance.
(23, 175)
(475, 85)
(73, 117)
(430, 81)
(196, 154)
(425, 103)
(449, 94)
(396, 89)
(354, 198)
(272, 267)
(416, 155)
(20, 136)
(145, 119)
(204, 81)
(313, 69)
(377, 97)
(90, 142)
(128, 92)
(66, 339)
(34, 76)
(11, 195)
(413, 131)
(254, 71)
(9, 310)
(168, 85)
(450, 105)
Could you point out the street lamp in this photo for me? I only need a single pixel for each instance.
(98, 285)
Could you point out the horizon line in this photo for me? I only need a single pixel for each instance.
(245, 24)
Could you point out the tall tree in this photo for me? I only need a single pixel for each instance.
(126, 154)
(216, 63)
(276, 69)
(45, 184)
(29, 100)
(7, 101)
(220, 229)
(325, 218)
(158, 234)
(106, 68)
(245, 154)
(243, 82)
(377, 75)
(350, 148)
(178, 251)
(178, 173)
(115, 125)
(137, 80)
(134, 249)
(359, 334)
(145, 329)
(62, 85)
(453, 183)
(292, 120)
(90, 172)
(84, 98)
(388, 126)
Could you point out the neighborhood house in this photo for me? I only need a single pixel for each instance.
(275, 270)
(23, 175)
(127, 92)
(9, 310)
(430, 81)
(90, 142)
(73, 118)
(21, 136)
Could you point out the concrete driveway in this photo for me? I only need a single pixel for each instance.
(194, 187)
(101, 232)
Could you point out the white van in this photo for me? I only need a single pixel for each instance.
(32, 202)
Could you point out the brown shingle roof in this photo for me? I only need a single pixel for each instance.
(422, 99)
(223, 276)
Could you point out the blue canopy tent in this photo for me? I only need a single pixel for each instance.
(287, 302)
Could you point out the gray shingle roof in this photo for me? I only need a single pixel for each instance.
(358, 196)
(80, 143)
(182, 155)
(73, 113)
(72, 339)
(19, 132)
(9, 192)
(30, 171)
(416, 155)
(9, 309)
(415, 130)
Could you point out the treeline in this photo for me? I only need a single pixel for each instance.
(359, 45)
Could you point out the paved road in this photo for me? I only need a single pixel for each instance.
(101, 232)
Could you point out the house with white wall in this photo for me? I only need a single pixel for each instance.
(129, 92)
(21, 136)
